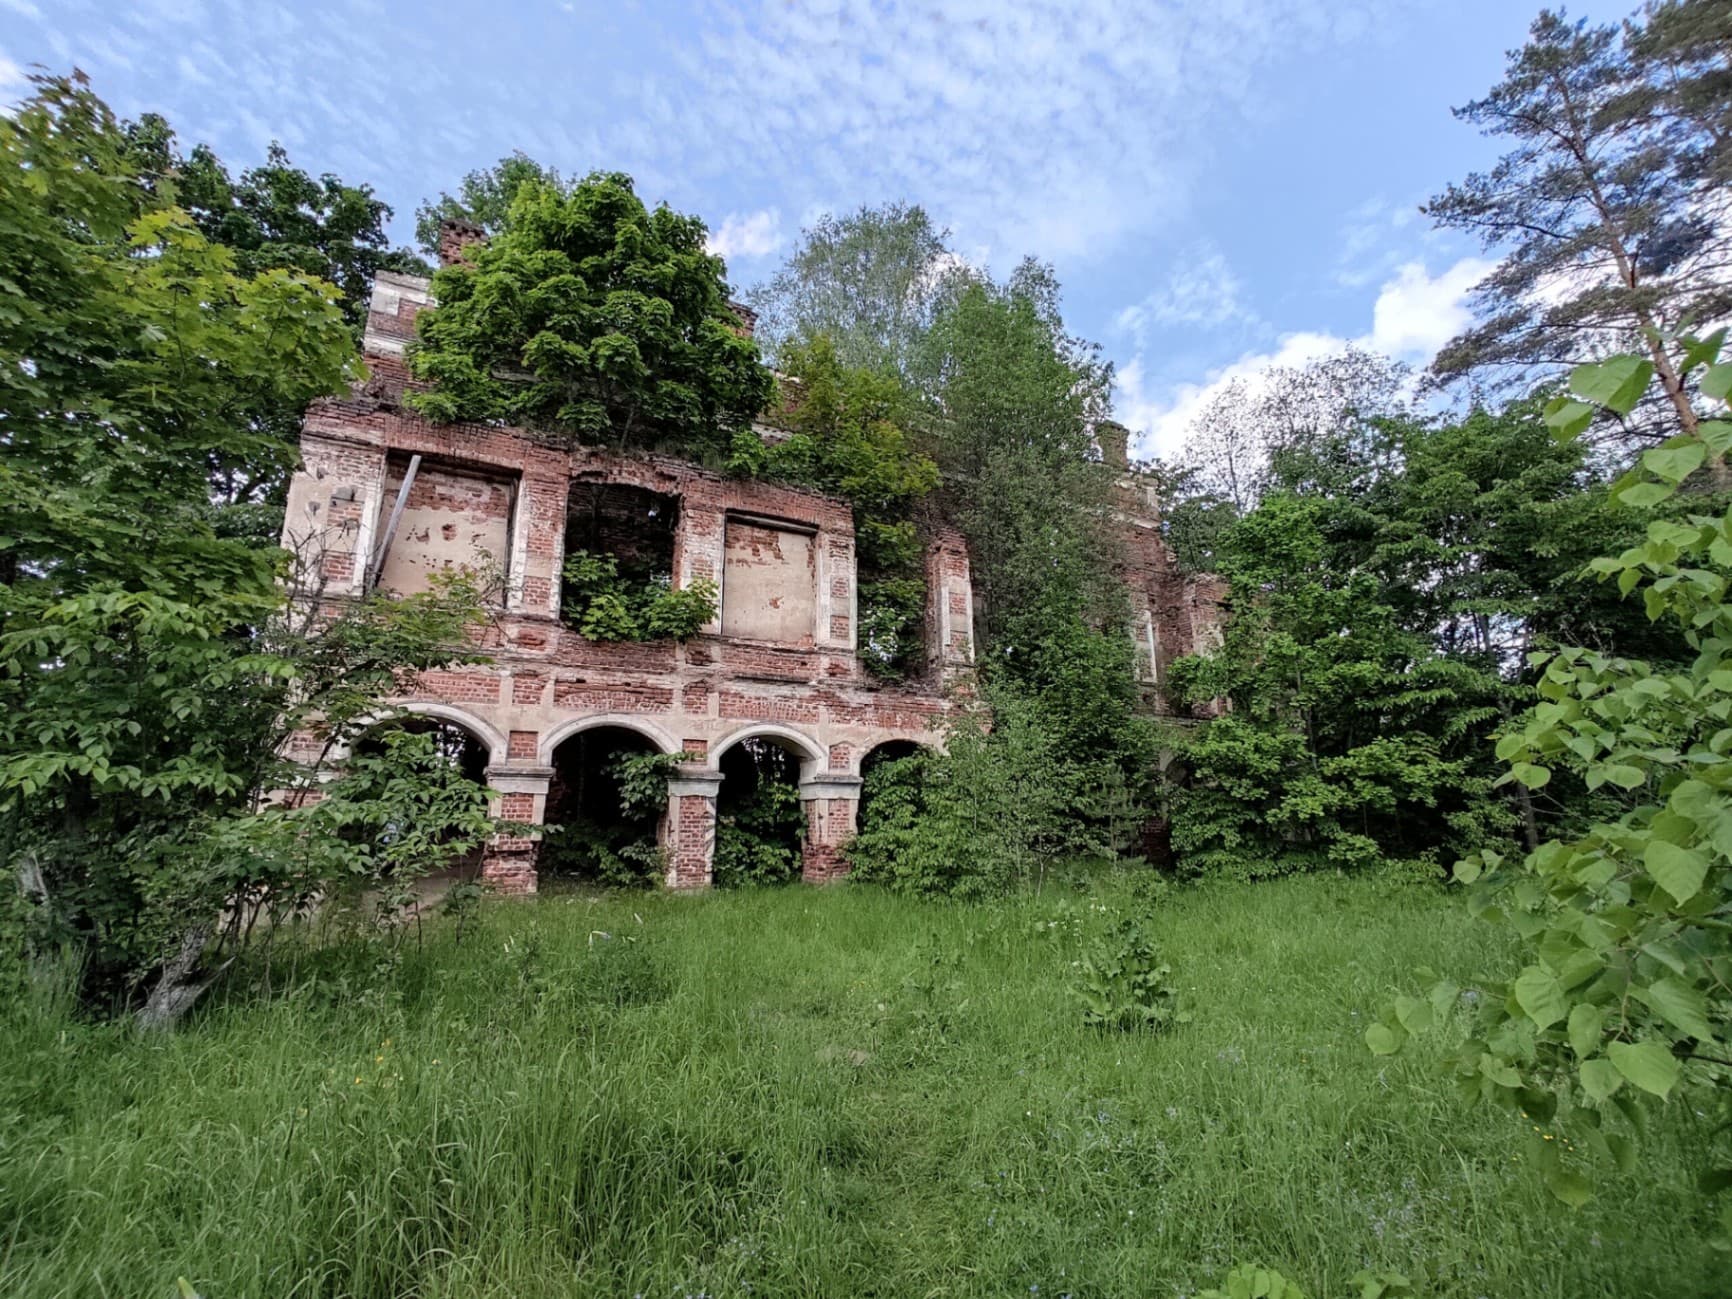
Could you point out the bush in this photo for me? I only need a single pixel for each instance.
(1122, 983)
(603, 604)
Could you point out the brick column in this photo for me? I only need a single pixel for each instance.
(831, 802)
(508, 862)
(689, 829)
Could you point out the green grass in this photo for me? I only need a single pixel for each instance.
(811, 1092)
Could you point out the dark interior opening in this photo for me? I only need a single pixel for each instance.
(892, 776)
(633, 524)
(602, 821)
(760, 823)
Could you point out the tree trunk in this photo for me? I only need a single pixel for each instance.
(177, 987)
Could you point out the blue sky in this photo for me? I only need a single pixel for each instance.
(1221, 183)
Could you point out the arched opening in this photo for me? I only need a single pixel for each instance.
(417, 786)
(892, 789)
(760, 824)
(605, 804)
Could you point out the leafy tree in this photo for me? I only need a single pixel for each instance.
(148, 662)
(1283, 427)
(1681, 45)
(872, 282)
(1621, 1001)
(1350, 738)
(272, 217)
(275, 216)
(1605, 208)
(484, 197)
(848, 438)
(592, 316)
(1391, 586)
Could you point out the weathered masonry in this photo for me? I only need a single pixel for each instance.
(384, 498)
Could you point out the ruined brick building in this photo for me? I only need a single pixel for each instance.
(383, 497)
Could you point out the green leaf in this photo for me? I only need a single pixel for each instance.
(1600, 1078)
(1680, 871)
(1717, 382)
(1617, 384)
(1538, 993)
(1681, 1006)
(1674, 464)
(1717, 433)
(1639, 496)
(1415, 1015)
(1383, 1040)
(1567, 418)
(1648, 1065)
(1586, 1024)
(1569, 1186)
(1531, 775)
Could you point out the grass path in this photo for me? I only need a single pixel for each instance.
(811, 1092)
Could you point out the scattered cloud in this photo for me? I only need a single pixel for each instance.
(23, 8)
(1415, 314)
(1052, 126)
(1378, 236)
(13, 81)
(755, 234)
(1202, 292)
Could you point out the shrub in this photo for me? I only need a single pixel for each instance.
(603, 604)
(1122, 983)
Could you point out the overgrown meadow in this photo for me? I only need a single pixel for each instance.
(812, 1092)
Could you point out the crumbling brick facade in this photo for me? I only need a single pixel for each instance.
(779, 661)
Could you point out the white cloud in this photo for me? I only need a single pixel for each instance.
(1415, 314)
(13, 82)
(1047, 126)
(755, 234)
(23, 8)
(1201, 292)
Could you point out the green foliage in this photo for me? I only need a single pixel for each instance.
(592, 316)
(1122, 983)
(1621, 1000)
(150, 669)
(620, 850)
(870, 282)
(847, 438)
(1351, 738)
(603, 605)
(758, 837)
(985, 816)
(484, 197)
(274, 216)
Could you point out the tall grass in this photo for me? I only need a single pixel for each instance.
(808, 1092)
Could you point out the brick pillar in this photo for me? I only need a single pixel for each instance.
(689, 830)
(832, 802)
(508, 862)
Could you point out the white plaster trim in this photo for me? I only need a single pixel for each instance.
(519, 780)
(815, 755)
(830, 785)
(551, 740)
(497, 746)
(696, 784)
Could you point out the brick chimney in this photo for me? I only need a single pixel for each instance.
(1114, 439)
(746, 320)
(455, 236)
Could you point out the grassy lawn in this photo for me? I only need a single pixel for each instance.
(812, 1092)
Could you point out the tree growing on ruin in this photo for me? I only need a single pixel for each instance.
(484, 197)
(591, 316)
(872, 282)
